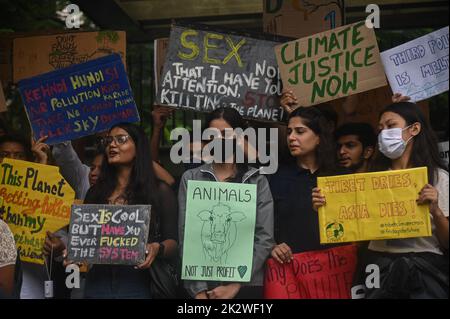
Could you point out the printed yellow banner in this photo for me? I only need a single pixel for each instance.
(373, 206)
(36, 199)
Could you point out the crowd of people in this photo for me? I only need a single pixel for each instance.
(126, 170)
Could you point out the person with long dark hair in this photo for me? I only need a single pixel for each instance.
(228, 170)
(413, 267)
(127, 178)
(313, 154)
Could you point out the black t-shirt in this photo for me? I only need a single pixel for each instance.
(296, 222)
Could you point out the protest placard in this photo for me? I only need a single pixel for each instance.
(205, 70)
(36, 199)
(109, 234)
(373, 206)
(331, 64)
(3, 107)
(443, 151)
(326, 274)
(41, 54)
(219, 232)
(419, 68)
(79, 100)
(298, 19)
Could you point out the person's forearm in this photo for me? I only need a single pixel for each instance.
(171, 248)
(163, 174)
(155, 141)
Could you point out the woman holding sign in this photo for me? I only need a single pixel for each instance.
(127, 178)
(310, 143)
(413, 267)
(222, 232)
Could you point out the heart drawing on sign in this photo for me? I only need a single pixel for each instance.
(242, 270)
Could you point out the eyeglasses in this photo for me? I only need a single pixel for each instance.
(118, 139)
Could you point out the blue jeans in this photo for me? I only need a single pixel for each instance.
(117, 282)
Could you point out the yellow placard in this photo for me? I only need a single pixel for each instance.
(36, 199)
(373, 206)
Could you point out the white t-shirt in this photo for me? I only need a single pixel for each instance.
(420, 244)
(8, 252)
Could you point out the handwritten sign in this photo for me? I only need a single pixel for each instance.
(79, 100)
(443, 151)
(373, 206)
(41, 54)
(331, 64)
(3, 107)
(36, 199)
(419, 68)
(206, 70)
(326, 274)
(108, 234)
(298, 19)
(219, 231)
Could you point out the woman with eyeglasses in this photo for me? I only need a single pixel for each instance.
(412, 268)
(127, 178)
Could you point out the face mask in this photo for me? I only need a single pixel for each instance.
(391, 143)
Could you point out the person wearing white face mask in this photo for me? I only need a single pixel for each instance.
(415, 268)
(391, 142)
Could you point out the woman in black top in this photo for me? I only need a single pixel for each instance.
(311, 146)
(127, 178)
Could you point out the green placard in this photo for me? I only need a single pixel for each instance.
(219, 231)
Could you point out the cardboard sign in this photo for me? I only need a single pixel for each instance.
(219, 232)
(298, 19)
(79, 100)
(332, 64)
(443, 151)
(205, 70)
(36, 199)
(326, 274)
(3, 107)
(41, 54)
(373, 206)
(419, 68)
(161, 46)
(108, 234)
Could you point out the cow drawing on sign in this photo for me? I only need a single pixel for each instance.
(219, 231)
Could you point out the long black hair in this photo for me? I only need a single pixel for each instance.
(142, 188)
(325, 152)
(425, 150)
(235, 120)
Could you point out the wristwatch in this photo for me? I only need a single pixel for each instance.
(161, 250)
